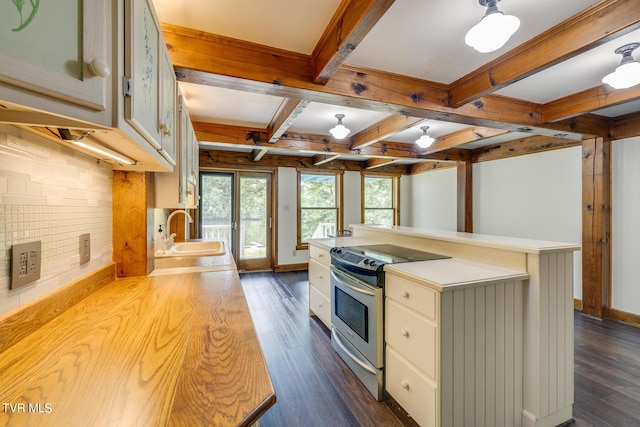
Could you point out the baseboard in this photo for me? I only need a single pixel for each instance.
(577, 304)
(291, 267)
(18, 324)
(623, 316)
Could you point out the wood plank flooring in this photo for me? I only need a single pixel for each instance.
(315, 388)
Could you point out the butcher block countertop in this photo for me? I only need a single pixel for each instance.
(171, 349)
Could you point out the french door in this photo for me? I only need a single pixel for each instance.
(236, 206)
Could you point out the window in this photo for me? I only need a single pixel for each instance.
(380, 200)
(319, 200)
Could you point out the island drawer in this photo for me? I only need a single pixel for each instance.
(411, 389)
(320, 254)
(319, 276)
(417, 297)
(412, 335)
(320, 305)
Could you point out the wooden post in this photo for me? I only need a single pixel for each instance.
(132, 223)
(596, 227)
(465, 196)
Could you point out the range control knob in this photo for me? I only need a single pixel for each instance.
(372, 263)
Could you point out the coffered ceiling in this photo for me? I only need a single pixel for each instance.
(270, 76)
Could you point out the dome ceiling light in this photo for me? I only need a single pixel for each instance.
(627, 74)
(494, 29)
(425, 140)
(339, 131)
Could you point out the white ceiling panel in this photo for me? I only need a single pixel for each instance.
(318, 118)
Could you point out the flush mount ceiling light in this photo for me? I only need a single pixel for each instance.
(493, 30)
(425, 140)
(339, 131)
(627, 74)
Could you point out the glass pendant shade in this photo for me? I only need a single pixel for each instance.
(339, 131)
(493, 31)
(627, 74)
(425, 140)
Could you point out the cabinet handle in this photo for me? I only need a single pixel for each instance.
(320, 305)
(405, 384)
(404, 294)
(320, 255)
(320, 277)
(404, 333)
(165, 129)
(99, 68)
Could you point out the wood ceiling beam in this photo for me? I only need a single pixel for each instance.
(258, 154)
(587, 101)
(520, 147)
(590, 126)
(383, 129)
(627, 126)
(290, 110)
(461, 137)
(430, 166)
(321, 159)
(594, 26)
(215, 159)
(378, 163)
(208, 59)
(350, 24)
(256, 138)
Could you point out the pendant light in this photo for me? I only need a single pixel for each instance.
(494, 29)
(339, 131)
(425, 140)
(627, 74)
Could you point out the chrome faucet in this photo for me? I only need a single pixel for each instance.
(174, 213)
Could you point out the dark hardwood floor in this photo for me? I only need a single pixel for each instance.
(315, 388)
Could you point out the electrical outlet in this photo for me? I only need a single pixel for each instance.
(293, 253)
(85, 248)
(26, 259)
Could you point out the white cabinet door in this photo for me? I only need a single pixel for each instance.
(167, 120)
(58, 48)
(142, 70)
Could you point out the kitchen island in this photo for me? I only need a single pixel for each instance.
(497, 299)
(175, 348)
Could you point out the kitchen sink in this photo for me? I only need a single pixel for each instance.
(199, 248)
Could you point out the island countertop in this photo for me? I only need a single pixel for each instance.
(172, 349)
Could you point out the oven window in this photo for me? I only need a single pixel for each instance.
(353, 313)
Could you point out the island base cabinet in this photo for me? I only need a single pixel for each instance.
(411, 389)
(320, 283)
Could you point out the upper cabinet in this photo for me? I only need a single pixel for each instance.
(94, 75)
(58, 51)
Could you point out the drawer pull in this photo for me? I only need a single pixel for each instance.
(320, 277)
(404, 333)
(405, 384)
(319, 305)
(404, 294)
(320, 255)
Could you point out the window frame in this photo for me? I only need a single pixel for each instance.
(339, 202)
(395, 197)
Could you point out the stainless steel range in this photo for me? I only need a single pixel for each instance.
(357, 301)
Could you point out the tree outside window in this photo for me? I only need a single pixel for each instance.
(319, 206)
(379, 200)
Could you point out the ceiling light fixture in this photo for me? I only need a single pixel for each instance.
(339, 131)
(494, 29)
(425, 140)
(627, 74)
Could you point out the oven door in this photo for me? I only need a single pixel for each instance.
(356, 312)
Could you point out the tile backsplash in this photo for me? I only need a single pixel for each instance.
(50, 193)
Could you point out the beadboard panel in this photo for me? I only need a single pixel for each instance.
(481, 360)
(548, 350)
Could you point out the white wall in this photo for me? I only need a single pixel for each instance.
(429, 200)
(625, 236)
(537, 196)
(52, 194)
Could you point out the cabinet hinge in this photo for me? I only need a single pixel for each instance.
(127, 86)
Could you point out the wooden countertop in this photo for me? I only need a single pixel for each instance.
(172, 349)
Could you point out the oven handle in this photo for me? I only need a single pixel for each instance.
(354, 288)
(351, 356)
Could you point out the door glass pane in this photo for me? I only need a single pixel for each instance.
(216, 207)
(253, 217)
